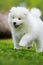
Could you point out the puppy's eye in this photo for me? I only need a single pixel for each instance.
(19, 18)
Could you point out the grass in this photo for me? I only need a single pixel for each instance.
(9, 56)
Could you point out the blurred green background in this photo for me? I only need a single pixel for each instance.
(5, 5)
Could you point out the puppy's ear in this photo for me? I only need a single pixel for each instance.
(26, 12)
(12, 9)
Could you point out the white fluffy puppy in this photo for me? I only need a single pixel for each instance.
(26, 26)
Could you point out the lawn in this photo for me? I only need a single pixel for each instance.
(9, 56)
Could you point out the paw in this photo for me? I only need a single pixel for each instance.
(17, 48)
(39, 50)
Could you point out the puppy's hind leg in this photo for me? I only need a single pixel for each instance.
(26, 40)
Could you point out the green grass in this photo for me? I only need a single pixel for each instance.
(9, 56)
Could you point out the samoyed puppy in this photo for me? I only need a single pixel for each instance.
(26, 26)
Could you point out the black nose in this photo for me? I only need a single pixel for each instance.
(14, 23)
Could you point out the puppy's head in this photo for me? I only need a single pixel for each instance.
(18, 15)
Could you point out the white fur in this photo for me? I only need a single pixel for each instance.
(30, 27)
(36, 12)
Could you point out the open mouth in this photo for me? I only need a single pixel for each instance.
(16, 26)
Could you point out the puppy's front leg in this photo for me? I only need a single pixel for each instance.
(26, 39)
(15, 41)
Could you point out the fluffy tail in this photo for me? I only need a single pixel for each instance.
(35, 12)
